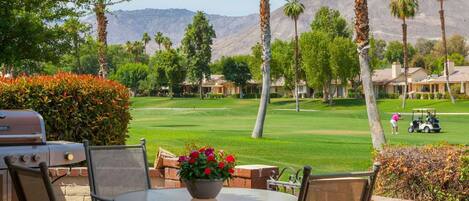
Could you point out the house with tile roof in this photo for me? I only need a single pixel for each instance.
(458, 79)
(217, 84)
(392, 80)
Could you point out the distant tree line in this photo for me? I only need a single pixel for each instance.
(326, 53)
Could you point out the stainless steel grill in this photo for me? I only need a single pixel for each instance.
(23, 137)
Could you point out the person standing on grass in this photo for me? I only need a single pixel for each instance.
(394, 119)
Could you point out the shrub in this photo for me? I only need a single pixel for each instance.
(245, 96)
(318, 94)
(215, 96)
(131, 75)
(74, 107)
(431, 96)
(424, 173)
(425, 96)
(439, 96)
(275, 95)
(418, 96)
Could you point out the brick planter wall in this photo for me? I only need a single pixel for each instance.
(74, 187)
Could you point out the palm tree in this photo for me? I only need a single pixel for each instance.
(266, 57)
(167, 43)
(100, 12)
(146, 38)
(362, 29)
(129, 48)
(138, 49)
(404, 9)
(159, 39)
(293, 9)
(445, 49)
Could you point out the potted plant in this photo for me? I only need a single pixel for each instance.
(204, 171)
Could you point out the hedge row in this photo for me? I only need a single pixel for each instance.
(74, 107)
(424, 173)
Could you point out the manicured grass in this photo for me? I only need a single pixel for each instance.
(334, 138)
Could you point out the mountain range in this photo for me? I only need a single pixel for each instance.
(236, 35)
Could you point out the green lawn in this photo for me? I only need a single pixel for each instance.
(334, 138)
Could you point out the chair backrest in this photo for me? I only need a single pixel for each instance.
(31, 184)
(113, 170)
(356, 186)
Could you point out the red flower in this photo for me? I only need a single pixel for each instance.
(192, 160)
(207, 171)
(231, 170)
(195, 154)
(211, 158)
(221, 165)
(230, 159)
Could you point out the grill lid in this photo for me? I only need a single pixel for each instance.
(21, 127)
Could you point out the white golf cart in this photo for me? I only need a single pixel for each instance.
(424, 120)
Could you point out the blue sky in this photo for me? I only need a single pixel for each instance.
(222, 7)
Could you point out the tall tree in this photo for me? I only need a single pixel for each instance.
(316, 61)
(146, 39)
(100, 9)
(344, 62)
(76, 32)
(171, 63)
(30, 34)
(282, 65)
(131, 75)
(167, 43)
(362, 29)
(264, 13)
(293, 9)
(330, 21)
(327, 25)
(236, 72)
(196, 46)
(404, 9)
(159, 39)
(443, 39)
(395, 52)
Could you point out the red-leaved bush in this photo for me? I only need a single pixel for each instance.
(433, 172)
(74, 107)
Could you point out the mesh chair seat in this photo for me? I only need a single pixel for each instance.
(344, 189)
(31, 184)
(339, 187)
(114, 170)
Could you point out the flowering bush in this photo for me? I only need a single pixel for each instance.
(206, 163)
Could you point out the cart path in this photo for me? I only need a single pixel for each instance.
(439, 113)
(181, 108)
(301, 110)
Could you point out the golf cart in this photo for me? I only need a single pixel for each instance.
(424, 120)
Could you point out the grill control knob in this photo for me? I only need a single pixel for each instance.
(36, 158)
(69, 156)
(25, 158)
(13, 159)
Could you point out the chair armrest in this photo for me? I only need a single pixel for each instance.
(95, 197)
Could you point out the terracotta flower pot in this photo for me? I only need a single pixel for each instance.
(204, 188)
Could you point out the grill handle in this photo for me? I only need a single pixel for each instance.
(22, 136)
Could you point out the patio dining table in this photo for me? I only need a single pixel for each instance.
(226, 194)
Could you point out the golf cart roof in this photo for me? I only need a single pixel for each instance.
(424, 110)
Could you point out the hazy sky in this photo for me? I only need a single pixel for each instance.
(222, 7)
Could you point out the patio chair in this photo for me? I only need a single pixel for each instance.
(31, 184)
(356, 186)
(118, 169)
(292, 186)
